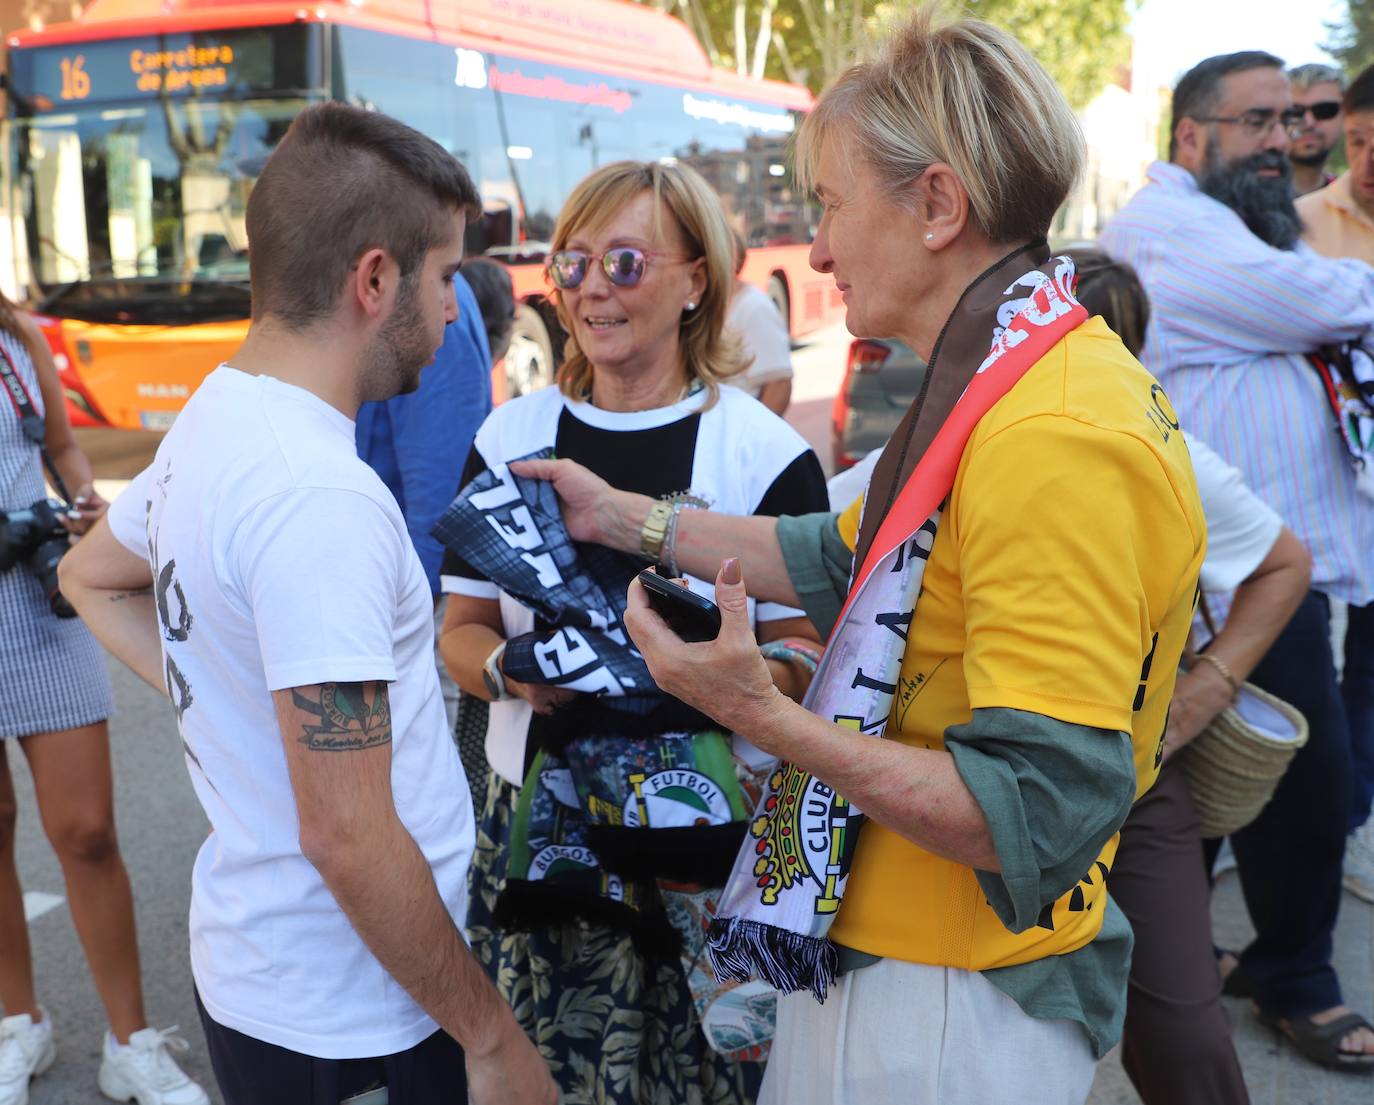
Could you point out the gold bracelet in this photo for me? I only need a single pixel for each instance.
(655, 528)
(1225, 672)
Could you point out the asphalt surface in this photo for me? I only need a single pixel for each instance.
(161, 826)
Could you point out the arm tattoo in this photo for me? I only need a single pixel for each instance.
(351, 716)
(142, 593)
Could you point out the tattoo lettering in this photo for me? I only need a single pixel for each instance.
(351, 716)
(123, 596)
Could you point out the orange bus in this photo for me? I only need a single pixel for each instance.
(134, 134)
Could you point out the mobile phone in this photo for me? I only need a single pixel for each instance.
(690, 616)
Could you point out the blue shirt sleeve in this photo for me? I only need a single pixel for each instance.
(418, 443)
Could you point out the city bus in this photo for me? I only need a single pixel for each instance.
(134, 133)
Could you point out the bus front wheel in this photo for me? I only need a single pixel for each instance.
(529, 363)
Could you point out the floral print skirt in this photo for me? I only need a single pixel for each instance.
(614, 1029)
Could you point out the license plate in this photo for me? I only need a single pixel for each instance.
(157, 420)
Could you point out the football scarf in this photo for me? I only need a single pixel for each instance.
(789, 877)
(629, 786)
(1347, 376)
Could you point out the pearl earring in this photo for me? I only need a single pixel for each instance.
(930, 237)
(691, 306)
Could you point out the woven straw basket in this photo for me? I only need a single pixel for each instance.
(1235, 763)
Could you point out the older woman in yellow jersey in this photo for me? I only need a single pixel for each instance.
(1017, 587)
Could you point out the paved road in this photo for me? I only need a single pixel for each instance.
(161, 826)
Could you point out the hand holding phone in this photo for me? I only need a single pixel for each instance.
(690, 616)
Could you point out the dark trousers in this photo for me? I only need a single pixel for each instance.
(251, 1072)
(1177, 1046)
(1289, 858)
(1357, 689)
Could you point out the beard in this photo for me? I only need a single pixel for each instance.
(1265, 204)
(394, 360)
(1310, 160)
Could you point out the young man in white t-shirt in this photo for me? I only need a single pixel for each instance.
(262, 575)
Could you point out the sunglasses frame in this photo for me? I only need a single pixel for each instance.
(608, 267)
(1330, 109)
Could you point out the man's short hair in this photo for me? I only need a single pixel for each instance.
(1360, 95)
(342, 181)
(1198, 92)
(1303, 77)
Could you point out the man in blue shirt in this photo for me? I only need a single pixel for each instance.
(418, 443)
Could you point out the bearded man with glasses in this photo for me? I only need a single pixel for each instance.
(1241, 311)
(1317, 92)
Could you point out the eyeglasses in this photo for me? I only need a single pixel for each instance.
(1327, 109)
(624, 266)
(1261, 120)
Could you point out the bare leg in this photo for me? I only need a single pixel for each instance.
(16, 963)
(71, 777)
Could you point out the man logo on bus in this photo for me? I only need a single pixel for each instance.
(676, 798)
(471, 70)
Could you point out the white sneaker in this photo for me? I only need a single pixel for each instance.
(26, 1051)
(143, 1071)
(1357, 873)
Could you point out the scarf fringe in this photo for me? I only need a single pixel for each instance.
(787, 961)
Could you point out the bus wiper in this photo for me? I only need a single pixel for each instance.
(56, 295)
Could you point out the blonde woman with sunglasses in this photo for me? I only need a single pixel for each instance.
(584, 931)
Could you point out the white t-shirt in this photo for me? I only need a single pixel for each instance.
(1240, 528)
(281, 560)
(755, 321)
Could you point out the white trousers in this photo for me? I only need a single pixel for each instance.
(897, 1033)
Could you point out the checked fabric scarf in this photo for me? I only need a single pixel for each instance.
(788, 880)
(629, 788)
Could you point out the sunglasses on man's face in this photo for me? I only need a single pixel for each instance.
(624, 266)
(1322, 112)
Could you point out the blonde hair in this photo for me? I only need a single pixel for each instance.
(967, 94)
(708, 354)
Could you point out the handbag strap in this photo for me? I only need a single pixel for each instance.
(1190, 654)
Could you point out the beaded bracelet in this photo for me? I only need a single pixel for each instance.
(795, 651)
(1225, 672)
(668, 553)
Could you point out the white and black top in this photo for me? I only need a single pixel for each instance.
(53, 669)
(735, 457)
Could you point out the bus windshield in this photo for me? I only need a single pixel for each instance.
(136, 213)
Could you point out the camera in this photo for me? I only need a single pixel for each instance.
(37, 539)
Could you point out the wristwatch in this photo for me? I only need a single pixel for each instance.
(492, 676)
(655, 529)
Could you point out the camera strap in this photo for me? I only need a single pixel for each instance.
(30, 421)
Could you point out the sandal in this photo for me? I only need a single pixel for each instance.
(1322, 1042)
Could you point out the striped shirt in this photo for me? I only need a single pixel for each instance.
(1231, 322)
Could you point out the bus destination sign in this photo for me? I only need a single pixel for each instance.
(175, 70)
(48, 78)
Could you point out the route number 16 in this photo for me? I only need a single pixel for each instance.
(76, 82)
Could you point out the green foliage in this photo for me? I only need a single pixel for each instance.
(1351, 42)
(1082, 43)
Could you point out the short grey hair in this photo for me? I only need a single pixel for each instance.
(1305, 76)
